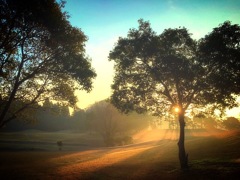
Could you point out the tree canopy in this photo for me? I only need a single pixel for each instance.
(41, 56)
(231, 123)
(158, 72)
(219, 54)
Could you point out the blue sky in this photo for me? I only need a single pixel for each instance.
(103, 21)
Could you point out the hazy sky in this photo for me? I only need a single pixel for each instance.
(103, 21)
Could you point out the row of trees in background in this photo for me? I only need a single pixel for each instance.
(103, 118)
(210, 123)
(48, 117)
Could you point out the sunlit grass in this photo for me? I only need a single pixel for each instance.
(155, 135)
(81, 163)
(153, 159)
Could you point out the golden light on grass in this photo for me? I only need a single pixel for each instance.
(80, 164)
(153, 156)
(154, 135)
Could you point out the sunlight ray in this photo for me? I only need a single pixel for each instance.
(86, 166)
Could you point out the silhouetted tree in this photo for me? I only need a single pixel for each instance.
(55, 108)
(105, 120)
(79, 121)
(231, 123)
(41, 56)
(157, 73)
(113, 126)
(198, 119)
(210, 123)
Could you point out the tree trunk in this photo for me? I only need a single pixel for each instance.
(183, 157)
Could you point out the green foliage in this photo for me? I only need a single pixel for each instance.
(41, 56)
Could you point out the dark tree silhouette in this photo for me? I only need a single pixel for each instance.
(219, 54)
(41, 56)
(157, 73)
(231, 123)
(210, 123)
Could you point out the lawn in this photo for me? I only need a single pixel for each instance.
(211, 155)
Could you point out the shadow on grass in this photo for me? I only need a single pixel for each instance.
(152, 163)
(210, 158)
(205, 169)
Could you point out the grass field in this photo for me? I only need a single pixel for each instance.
(212, 155)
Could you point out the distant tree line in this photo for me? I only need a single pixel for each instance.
(50, 117)
(100, 118)
(228, 123)
(103, 119)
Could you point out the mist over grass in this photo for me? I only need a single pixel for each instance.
(74, 140)
(213, 154)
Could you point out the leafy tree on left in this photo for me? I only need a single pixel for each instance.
(41, 57)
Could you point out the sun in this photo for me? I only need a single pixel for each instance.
(177, 109)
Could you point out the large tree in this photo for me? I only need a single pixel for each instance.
(41, 56)
(158, 73)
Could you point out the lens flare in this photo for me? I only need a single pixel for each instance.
(176, 109)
